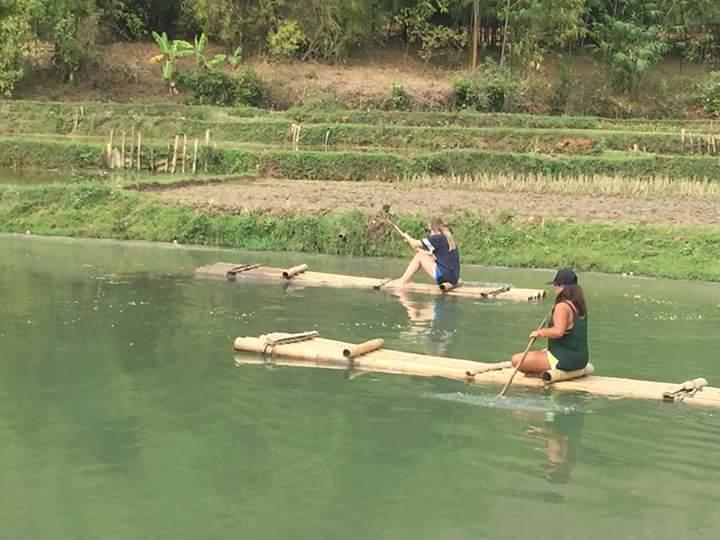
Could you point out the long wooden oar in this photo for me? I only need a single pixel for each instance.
(398, 229)
(527, 349)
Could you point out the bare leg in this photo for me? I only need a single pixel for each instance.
(421, 260)
(535, 362)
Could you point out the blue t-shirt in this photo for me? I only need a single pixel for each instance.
(448, 262)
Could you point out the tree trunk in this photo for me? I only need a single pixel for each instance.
(505, 32)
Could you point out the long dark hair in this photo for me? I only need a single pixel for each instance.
(575, 295)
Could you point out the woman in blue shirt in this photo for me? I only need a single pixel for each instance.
(437, 255)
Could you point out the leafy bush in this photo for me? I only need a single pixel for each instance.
(249, 88)
(629, 48)
(486, 89)
(287, 40)
(399, 99)
(121, 20)
(75, 39)
(214, 87)
(15, 25)
(564, 89)
(709, 93)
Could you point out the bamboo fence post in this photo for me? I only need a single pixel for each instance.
(132, 146)
(174, 155)
(207, 148)
(184, 152)
(195, 152)
(76, 121)
(122, 150)
(110, 149)
(139, 156)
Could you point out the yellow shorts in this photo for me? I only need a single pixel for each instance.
(552, 360)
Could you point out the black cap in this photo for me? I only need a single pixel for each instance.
(564, 276)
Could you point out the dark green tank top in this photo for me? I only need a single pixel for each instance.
(571, 350)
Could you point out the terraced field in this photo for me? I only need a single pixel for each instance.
(510, 176)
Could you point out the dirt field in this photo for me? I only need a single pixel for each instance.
(289, 196)
(125, 74)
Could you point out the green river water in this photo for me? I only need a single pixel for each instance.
(124, 415)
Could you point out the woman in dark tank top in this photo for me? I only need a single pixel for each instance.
(566, 333)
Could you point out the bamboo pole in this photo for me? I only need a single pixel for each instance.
(195, 154)
(122, 150)
(207, 148)
(139, 152)
(557, 375)
(294, 271)
(354, 351)
(174, 155)
(110, 149)
(132, 146)
(184, 155)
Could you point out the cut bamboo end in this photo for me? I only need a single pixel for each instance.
(363, 348)
(557, 375)
(294, 271)
(446, 286)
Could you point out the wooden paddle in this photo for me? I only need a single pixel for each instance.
(398, 229)
(527, 349)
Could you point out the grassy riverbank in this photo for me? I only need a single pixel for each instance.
(92, 210)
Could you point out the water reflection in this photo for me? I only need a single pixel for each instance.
(433, 321)
(559, 434)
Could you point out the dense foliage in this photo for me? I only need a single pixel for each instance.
(630, 36)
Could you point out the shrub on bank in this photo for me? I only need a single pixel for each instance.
(215, 87)
(710, 93)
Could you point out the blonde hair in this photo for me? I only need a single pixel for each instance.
(436, 224)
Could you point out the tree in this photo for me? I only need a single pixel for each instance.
(537, 29)
(629, 39)
(417, 25)
(15, 31)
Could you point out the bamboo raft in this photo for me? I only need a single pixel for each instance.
(299, 275)
(310, 351)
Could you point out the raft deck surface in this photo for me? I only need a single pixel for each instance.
(320, 279)
(328, 354)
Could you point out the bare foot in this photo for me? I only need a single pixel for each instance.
(395, 284)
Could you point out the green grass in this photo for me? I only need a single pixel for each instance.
(357, 166)
(502, 133)
(92, 210)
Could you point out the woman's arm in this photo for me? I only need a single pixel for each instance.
(417, 244)
(562, 320)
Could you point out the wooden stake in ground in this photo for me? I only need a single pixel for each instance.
(132, 146)
(109, 149)
(195, 152)
(76, 121)
(527, 350)
(184, 152)
(122, 150)
(207, 148)
(174, 155)
(139, 163)
(152, 160)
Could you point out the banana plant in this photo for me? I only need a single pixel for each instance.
(170, 51)
(235, 59)
(202, 61)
